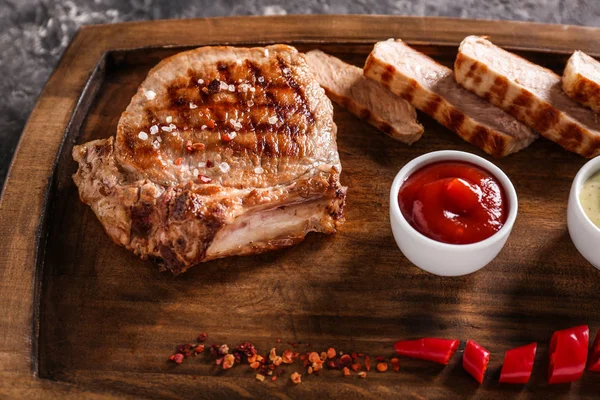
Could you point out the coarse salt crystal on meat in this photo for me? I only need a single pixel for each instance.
(150, 94)
(224, 167)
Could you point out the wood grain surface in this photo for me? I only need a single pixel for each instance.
(83, 317)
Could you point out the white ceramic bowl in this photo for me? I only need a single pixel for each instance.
(442, 258)
(584, 234)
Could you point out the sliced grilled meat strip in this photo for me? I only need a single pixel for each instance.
(529, 92)
(581, 80)
(346, 85)
(431, 88)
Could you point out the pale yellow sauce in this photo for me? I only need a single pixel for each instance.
(589, 197)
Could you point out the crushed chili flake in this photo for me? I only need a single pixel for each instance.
(288, 357)
(314, 357)
(178, 161)
(224, 349)
(176, 358)
(204, 179)
(199, 349)
(278, 340)
(268, 365)
(296, 378)
(382, 367)
(202, 337)
(245, 350)
(367, 363)
(331, 352)
(228, 361)
(219, 350)
(210, 124)
(193, 147)
(346, 360)
(185, 349)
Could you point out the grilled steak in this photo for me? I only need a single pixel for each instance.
(431, 88)
(529, 92)
(222, 151)
(581, 80)
(346, 85)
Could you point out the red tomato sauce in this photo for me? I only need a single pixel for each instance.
(453, 202)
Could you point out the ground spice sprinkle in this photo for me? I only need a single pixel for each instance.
(269, 365)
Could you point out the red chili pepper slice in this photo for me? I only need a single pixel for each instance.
(594, 364)
(430, 349)
(475, 360)
(518, 364)
(568, 354)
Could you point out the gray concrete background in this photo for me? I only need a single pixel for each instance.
(34, 33)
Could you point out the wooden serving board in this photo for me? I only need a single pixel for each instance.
(80, 316)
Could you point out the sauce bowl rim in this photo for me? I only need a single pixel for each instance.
(585, 172)
(455, 155)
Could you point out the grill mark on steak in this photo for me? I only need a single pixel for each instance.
(302, 105)
(432, 106)
(455, 119)
(500, 88)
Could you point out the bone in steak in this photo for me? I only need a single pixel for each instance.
(431, 88)
(529, 92)
(581, 80)
(222, 151)
(346, 85)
